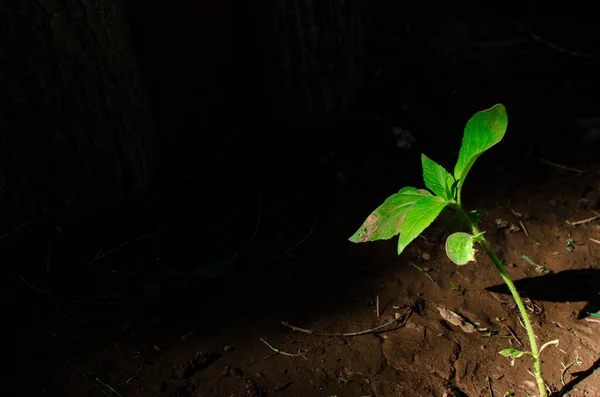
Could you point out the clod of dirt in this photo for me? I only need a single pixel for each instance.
(200, 361)
(457, 320)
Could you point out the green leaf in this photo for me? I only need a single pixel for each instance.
(513, 354)
(385, 222)
(419, 216)
(437, 178)
(485, 129)
(407, 213)
(460, 248)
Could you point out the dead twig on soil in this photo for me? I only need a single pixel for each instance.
(513, 334)
(566, 368)
(22, 225)
(524, 228)
(553, 46)
(586, 220)
(402, 319)
(593, 240)
(277, 351)
(86, 376)
(302, 240)
(489, 385)
(560, 166)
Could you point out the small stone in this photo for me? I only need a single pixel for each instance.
(227, 348)
(425, 256)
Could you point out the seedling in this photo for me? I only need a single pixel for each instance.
(538, 268)
(410, 211)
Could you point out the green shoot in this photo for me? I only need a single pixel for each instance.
(538, 268)
(409, 212)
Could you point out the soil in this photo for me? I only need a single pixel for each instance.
(195, 310)
(214, 342)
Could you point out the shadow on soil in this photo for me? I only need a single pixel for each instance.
(566, 286)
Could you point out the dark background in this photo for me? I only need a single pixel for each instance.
(203, 139)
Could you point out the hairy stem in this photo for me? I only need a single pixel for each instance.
(535, 353)
(530, 333)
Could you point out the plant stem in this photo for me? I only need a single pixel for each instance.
(535, 353)
(530, 333)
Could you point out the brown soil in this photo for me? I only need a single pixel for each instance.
(211, 344)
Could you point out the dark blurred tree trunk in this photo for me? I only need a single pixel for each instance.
(320, 48)
(75, 126)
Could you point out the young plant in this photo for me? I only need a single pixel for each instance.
(410, 211)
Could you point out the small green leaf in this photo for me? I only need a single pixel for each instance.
(420, 215)
(594, 314)
(513, 354)
(460, 248)
(437, 179)
(484, 130)
(385, 222)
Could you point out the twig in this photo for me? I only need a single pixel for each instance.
(586, 220)
(489, 385)
(594, 240)
(41, 291)
(104, 255)
(277, 351)
(524, 228)
(553, 46)
(559, 166)
(88, 378)
(513, 334)
(109, 387)
(422, 270)
(565, 369)
(139, 371)
(303, 239)
(403, 318)
(377, 306)
(22, 225)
